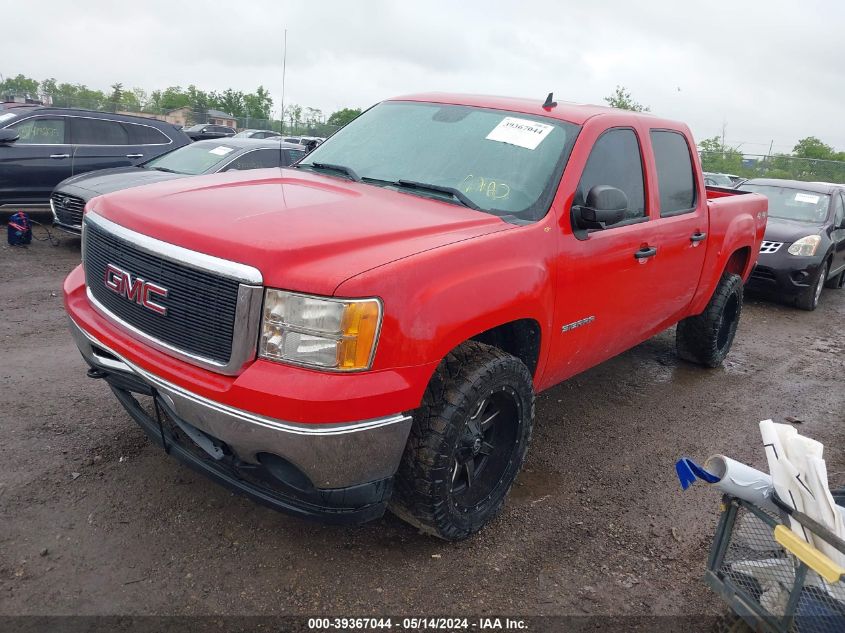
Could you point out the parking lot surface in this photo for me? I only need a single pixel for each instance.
(96, 520)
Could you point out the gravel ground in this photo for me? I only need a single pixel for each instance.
(95, 520)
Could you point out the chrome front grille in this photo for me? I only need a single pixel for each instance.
(770, 247)
(208, 316)
(68, 209)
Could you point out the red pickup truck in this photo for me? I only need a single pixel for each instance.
(367, 330)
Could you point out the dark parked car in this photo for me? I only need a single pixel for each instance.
(41, 146)
(203, 157)
(257, 134)
(804, 246)
(206, 131)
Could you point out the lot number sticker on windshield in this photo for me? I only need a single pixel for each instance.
(221, 150)
(520, 132)
(806, 197)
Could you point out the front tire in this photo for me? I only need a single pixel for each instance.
(809, 298)
(706, 338)
(835, 283)
(468, 441)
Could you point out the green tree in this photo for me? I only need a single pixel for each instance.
(622, 99)
(719, 158)
(343, 116)
(811, 147)
(20, 85)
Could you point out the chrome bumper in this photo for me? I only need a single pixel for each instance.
(330, 455)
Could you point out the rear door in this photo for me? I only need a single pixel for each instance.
(99, 144)
(145, 142)
(679, 226)
(35, 163)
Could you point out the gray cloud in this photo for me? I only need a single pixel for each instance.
(770, 71)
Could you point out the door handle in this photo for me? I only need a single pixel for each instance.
(646, 252)
(59, 155)
(134, 156)
(697, 237)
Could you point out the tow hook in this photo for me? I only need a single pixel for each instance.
(96, 373)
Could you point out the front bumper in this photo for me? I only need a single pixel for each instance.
(783, 274)
(335, 472)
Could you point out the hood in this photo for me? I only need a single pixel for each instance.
(303, 231)
(788, 231)
(115, 179)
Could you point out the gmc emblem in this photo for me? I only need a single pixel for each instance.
(137, 290)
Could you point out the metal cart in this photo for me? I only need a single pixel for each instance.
(771, 578)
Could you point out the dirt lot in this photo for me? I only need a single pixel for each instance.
(95, 520)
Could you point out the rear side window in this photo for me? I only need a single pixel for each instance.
(675, 181)
(616, 160)
(41, 131)
(145, 135)
(256, 159)
(86, 131)
(838, 211)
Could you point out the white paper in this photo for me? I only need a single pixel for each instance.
(7, 116)
(520, 132)
(806, 197)
(220, 150)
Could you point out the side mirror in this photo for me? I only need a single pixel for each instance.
(605, 206)
(8, 136)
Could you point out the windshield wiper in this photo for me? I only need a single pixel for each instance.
(169, 171)
(332, 167)
(457, 194)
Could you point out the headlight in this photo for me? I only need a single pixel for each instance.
(335, 334)
(806, 246)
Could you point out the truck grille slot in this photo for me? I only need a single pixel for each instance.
(68, 209)
(770, 247)
(200, 305)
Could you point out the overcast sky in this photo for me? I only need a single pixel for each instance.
(769, 71)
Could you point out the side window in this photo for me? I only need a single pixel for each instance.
(616, 160)
(256, 159)
(85, 131)
(293, 155)
(675, 181)
(41, 131)
(145, 135)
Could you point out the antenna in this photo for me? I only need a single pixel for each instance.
(284, 68)
(550, 103)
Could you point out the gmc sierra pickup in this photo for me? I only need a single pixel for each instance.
(367, 329)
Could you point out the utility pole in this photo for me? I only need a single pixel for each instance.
(284, 68)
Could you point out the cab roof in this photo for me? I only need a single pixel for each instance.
(565, 111)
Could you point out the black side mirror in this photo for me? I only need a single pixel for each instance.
(605, 206)
(8, 136)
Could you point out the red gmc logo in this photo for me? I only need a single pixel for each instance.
(137, 290)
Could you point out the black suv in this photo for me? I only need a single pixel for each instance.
(202, 132)
(41, 146)
(804, 247)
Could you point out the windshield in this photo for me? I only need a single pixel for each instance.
(793, 204)
(505, 163)
(192, 159)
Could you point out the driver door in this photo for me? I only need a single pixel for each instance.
(604, 277)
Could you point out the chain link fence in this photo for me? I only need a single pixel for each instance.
(774, 166)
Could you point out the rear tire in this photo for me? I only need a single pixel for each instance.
(468, 441)
(706, 338)
(809, 298)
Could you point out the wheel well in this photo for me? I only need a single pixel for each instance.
(738, 261)
(519, 338)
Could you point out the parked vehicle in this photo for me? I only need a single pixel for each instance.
(311, 142)
(203, 157)
(41, 146)
(201, 132)
(736, 180)
(371, 329)
(804, 247)
(717, 180)
(257, 134)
